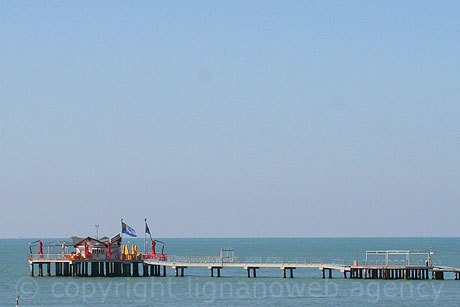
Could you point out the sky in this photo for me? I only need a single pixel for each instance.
(230, 118)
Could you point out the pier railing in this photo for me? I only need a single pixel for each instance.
(48, 257)
(73, 256)
(250, 260)
(399, 262)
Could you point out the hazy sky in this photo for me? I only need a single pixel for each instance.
(235, 118)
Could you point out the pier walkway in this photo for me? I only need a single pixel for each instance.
(251, 264)
(61, 265)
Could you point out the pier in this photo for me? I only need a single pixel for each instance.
(157, 265)
(251, 265)
(108, 257)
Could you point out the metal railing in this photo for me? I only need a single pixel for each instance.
(48, 257)
(250, 260)
(399, 262)
(210, 260)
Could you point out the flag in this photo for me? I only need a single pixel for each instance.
(147, 229)
(128, 230)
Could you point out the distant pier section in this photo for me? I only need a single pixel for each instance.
(109, 257)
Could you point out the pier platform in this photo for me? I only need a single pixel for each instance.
(141, 265)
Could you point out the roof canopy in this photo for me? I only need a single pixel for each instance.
(103, 242)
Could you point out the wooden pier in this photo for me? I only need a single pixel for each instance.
(60, 266)
(94, 268)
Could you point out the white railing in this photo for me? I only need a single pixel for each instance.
(249, 260)
(46, 257)
(316, 261)
(196, 259)
(338, 262)
(215, 260)
(398, 262)
(274, 260)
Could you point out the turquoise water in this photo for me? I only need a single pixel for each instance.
(234, 288)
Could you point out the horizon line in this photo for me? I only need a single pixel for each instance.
(268, 237)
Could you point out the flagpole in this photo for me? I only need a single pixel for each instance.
(121, 237)
(145, 236)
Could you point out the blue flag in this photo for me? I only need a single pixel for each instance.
(128, 230)
(147, 229)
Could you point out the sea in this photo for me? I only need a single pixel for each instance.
(234, 288)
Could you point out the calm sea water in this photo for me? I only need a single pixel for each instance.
(234, 288)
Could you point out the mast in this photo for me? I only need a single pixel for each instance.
(145, 236)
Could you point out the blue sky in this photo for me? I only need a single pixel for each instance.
(230, 119)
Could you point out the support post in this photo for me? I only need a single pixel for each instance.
(439, 275)
(65, 270)
(101, 269)
(93, 269)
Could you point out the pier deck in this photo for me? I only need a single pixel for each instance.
(151, 267)
(63, 266)
(249, 265)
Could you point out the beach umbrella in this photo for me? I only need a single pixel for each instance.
(153, 247)
(40, 248)
(109, 253)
